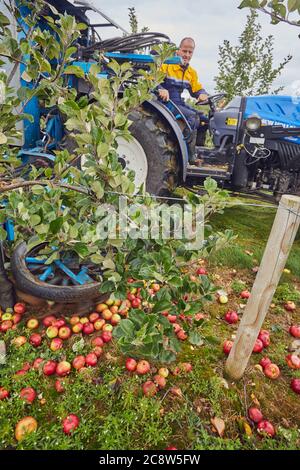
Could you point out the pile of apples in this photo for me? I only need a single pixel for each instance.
(159, 380)
(11, 317)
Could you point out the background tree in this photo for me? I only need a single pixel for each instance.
(247, 69)
(133, 22)
(279, 10)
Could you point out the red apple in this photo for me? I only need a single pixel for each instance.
(37, 362)
(32, 324)
(290, 306)
(78, 362)
(264, 338)
(293, 361)
(106, 336)
(49, 320)
(63, 368)
(6, 325)
(255, 415)
(265, 361)
(24, 427)
(97, 341)
(159, 381)
(35, 340)
(181, 334)
(20, 308)
(172, 318)
(28, 394)
(245, 294)
(258, 346)
(49, 368)
(265, 427)
(131, 364)
(56, 344)
(171, 448)
(91, 359)
(70, 423)
(94, 317)
(64, 332)
(149, 388)
(201, 272)
(272, 371)
(59, 386)
(295, 331)
(231, 317)
(3, 393)
(26, 366)
(136, 303)
(176, 327)
(16, 318)
(295, 386)
(143, 367)
(227, 345)
(186, 367)
(114, 309)
(106, 314)
(59, 323)
(88, 328)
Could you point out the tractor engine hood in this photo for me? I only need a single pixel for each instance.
(274, 110)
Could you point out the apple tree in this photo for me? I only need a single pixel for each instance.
(286, 11)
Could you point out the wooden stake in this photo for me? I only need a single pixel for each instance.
(280, 242)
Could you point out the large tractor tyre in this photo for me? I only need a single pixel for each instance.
(30, 284)
(153, 153)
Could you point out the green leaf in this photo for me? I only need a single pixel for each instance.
(161, 306)
(195, 338)
(56, 225)
(3, 138)
(37, 189)
(35, 219)
(3, 234)
(98, 189)
(74, 70)
(81, 249)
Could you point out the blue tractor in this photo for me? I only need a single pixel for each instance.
(256, 145)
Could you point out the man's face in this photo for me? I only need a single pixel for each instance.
(186, 51)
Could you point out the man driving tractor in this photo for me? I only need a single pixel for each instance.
(184, 77)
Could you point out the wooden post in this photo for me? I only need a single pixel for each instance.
(280, 242)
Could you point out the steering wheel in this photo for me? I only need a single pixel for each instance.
(212, 101)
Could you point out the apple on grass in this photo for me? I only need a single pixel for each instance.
(295, 386)
(97, 341)
(255, 415)
(35, 340)
(49, 320)
(63, 368)
(159, 381)
(4, 393)
(131, 364)
(74, 319)
(295, 331)
(78, 362)
(77, 328)
(258, 346)
(24, 427)
(91, 359)
(49, 367)
(52, 332)
(19, 307)
(143, 367)
(70, 423)
(88, 328)
(164, 372)
(64, 332)
(32, 324)
(59, 386)
(19, 341)
(149, 388)
(37, 363)
(266, 428)
(293, 361)
(56, 344)
(272, 371)
(106, 336)
(28, 394)
(227, 346)
(231, 317)
(6, 325)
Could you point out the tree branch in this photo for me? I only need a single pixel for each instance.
(279, 18)
(24, 184)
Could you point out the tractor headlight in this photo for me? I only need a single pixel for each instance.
(253, 123)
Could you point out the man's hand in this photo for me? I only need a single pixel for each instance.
(202, 97)
(164, 94)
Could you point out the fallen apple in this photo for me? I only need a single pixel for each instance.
(63, 368)
(293, 361)
(265, 361)
(223, 299)
(35, 340)
(266, 428)
(131, 364)
(24, 427)
(78, 362)
(290, 306)
(32, 324)
(88, 328)
(98, 325)
(159, 381)
(227, 346)
(59, 386)
(37, 363)
(28, 394)
(6, 325)
(295, 386)
(49, 367)
(272, 371)
(70, 423)
(97, 341)
(149, 388)
(56, 344)
(49, 320)
(74, 319)
(106, 314)
(52, 332)
(20, 308)
(258, 346)
(255, 415)
(100, 308)
(231, 317)
(98, 351)
(94, 317)
(4, 393)
(106, 336)
(91, 359)
(77, 328)
(64, 332)
(19, 341)
(164, 372)
(142, 367)
(295, 331)
(245, 294)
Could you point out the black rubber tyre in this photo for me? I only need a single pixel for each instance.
(27, 283)
(161, 149)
